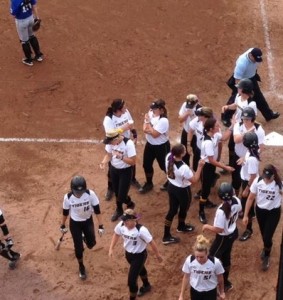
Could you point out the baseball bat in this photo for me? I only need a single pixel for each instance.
(57, 247)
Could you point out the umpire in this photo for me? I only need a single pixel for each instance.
(246, 67)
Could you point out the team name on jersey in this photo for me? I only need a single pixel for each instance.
(267, 192)
(80, 204)
(133, 238)
(119, 124)
(202, 272)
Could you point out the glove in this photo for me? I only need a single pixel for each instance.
(63, 229)
(100, 230)
(9, 243)
(36, 24)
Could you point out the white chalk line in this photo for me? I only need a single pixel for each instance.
(46, 140)
(271, 74)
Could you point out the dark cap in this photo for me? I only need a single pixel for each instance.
(110, 136)
(126, 217)
(204, 112)
(192, 100)
(257, 54)
(267, 172)
(158, 104)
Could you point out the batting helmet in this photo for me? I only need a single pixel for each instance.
(248, 113)
(246, 85)
(225, 191)
(250, 140)
(78, 184)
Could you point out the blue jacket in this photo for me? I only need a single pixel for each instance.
(22, 9)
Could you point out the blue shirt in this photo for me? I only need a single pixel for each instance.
(245, 68)
(20, 10)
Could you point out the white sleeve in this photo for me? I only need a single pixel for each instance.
(66, 203)
(117, 228)
(93, 198)
(131, 149)
(162, 125)
(108, 124)
(182, 109)
(218, 267)
(145, 235)
(261, 135)
(186, 265)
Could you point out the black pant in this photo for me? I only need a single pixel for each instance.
(244, 202)
(222, 248)
(236, 175)
(184, 141)
(152, 152)
(207, 295)
(121, 182)
(179, 198)
(137, 268)
(260, 100)
(77, 229)
(207, 178)
(268, 221)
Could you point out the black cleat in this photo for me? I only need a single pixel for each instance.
(82, 272)
(170, 240)
(246, 235)
(202, 217)
(146, 188)
(186, 228)
(117, 214)
(143, 289)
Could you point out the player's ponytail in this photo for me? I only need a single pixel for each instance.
(177, 151)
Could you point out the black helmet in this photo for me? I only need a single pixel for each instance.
(225, 191)
(250, 140)
(78, 184)
(246, 85)
(248, 113)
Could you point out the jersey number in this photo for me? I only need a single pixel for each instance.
(86, 208)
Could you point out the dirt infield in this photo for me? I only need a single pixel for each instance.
(137, 50)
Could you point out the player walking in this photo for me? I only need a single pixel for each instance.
(225, 228)
(156, 128)
(121, 153)
(266, 192)
(136, 237)
(80, 203)
(5, 247)
(204, 273)
(25, 13)
(180, 177)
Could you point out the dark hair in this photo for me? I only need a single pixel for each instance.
(277, 177)
(226, 206)
(209, 124)
(176, 151)
(117, 104)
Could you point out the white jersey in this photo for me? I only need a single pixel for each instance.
(250, 167)
(135, 240)
(229, 225)
(80, 209)
(126, 149)
(241, 104)
(182, 172)
(161, 125)
(240, 128)
(182, 111)
(267, 195)
(203, 278)
(197, 126)
(117, 122)
(209, 147)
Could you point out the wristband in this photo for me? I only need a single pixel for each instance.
(135, 134)
(5, 229)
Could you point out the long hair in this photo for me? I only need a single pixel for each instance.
(176, 151)
(254, 151)
(277, 177)
(208, 125)
(226, 206)
(117, 104)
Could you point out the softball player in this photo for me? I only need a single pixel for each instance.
(210, 152)
(180, 177)
(186, 114)
(249, 171)
(136, 238)
(225, 228)
(5, 247)
(118, 117)
(156, 128)
(203, 272)
(25, 12)
(80, 203)
(247, 124)
(266, 191)
(121, 153)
